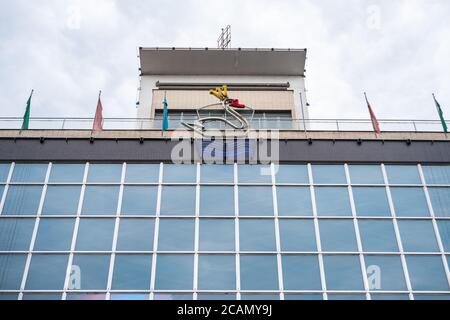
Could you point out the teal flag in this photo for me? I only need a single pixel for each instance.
(165, 125)
(26, 116)
(441, 114)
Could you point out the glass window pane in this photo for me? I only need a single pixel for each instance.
(444, 230)
(303, 296)
(332, 201)
(129, 296)
(433, 297)
(371, 202)
(259, 272)
(42, 296)
(4, 171)
(217, 235)
(29, 172)
(389, 296)
(11, 270)
(294, 201)
(61, 200)
(54, 235)
(104, 172)
(15, 234)
(132, 272)
(217, 272)
(346, 296)
(89, 272)
(257, 235)
(86, 296)
(410, 202)
(329, 173)
(301, 273)
(378, 236)
(254, 173)
(139, 200)
(260, 296)
(255, 201)
(366, 174)
(211, 173)
(47, 272)
(427, 273)
(418, 236)
(95, 235)
(176, 235)
(142, 173)
(9, 296)
(440, 199)
(217, 201)
(172, 296)
(22, 200)
(100, 200)
(180, 173)
(174, 272)
(338, 235)
(67, 172)
(297, 235)
(398, 174)
(184, 204)
(288, 173)
(385, 273)
(437, 174)
(216, 296)
(343, 273)
(135, 235)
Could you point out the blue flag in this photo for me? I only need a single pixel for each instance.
(165, 124)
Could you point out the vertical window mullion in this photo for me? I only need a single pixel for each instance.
(5, 190)
(236, 231)
(277, 233)
(196, 235)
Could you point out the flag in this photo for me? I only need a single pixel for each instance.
(373, 118)
(165, 124)
(441, 114)
(26, 116)
(98, 121)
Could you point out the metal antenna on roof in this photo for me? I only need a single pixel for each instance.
(224, 41)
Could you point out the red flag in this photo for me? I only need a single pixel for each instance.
(98, 121)
(375, 124)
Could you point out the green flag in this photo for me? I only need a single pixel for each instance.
(441, 114)
(26, 116)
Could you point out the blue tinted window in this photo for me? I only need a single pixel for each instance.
(291, 173)
(259, 272)
(86, 296)
(22, 200)
(301, 273)
(95, 235)
(254, 173)
(294, 201)
(333, 201)
(139, 200)
(343, 273)
(67, 172)
(217, 201)
(366, 174)
(174, 272)
(417, 236)
(142, 173)
(371, 202)
(129, 296)
(409, 202)
(92, 270)
(180, 173)
(100, 200)
(15, 234)
(398, 174)
(61, 200)
(216, 296)
(255, 201)
(172, 296)
(100, 172)
(329, 174)
(135, 235)
(176, 235)
(385, 273)
(378, 236)
(338, 235)
(346, 296)
(211, 173)
(427, 273)
(389, 296)
(47, 272)
(178, 200)
(29, 172)
(4, 171)
(260, 297)
(132, 272)
(8, 296)
(257, 235)
(303, 296)
(11, 271)
(437, 174)
(42, 296)
(216, 272)
(433, 297)
(444, 230)
(54, 235)
(217, 235)
(297, 235)
(440, 199)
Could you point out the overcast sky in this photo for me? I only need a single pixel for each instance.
(396, 50)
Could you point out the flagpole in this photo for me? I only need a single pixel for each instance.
(441, 115)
